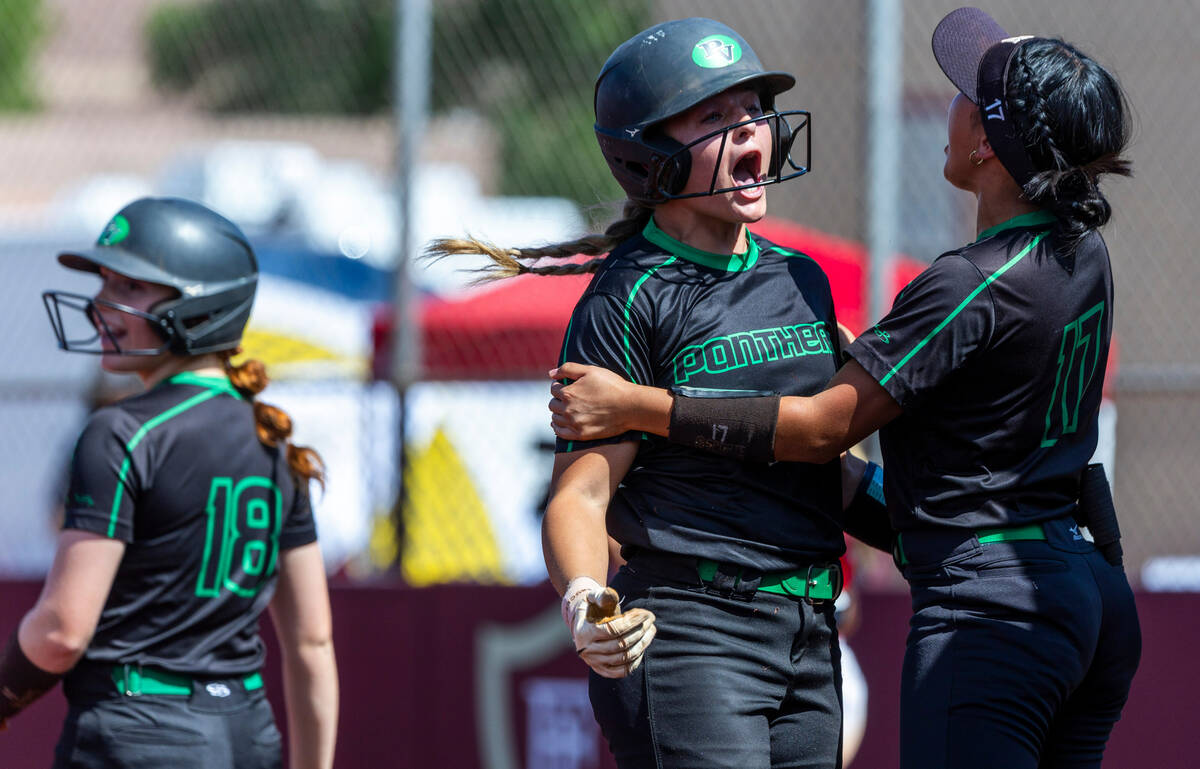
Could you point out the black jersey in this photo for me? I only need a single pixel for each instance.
(179, 475)
(662, 313)
(997, 354)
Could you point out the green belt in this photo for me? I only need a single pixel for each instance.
(134, 680)
(1032, 531)
(987, 536)
(817, 583)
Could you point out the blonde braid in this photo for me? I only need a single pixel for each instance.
(510, 262)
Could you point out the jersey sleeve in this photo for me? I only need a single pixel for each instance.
(106, 481)
(936, 323)
(604, 332)
(299, 528)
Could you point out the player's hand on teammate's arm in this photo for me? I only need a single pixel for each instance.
(598, 403)
(610, 641)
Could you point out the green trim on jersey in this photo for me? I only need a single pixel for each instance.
(789, 253)
(566, 341)
(562, 360)
(219, 383)
(990, 279)
(727, 262)
(628, 304)
(1024, 220)
(170, 413)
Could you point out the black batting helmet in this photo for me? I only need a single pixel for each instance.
(662, 72)
(177, 243)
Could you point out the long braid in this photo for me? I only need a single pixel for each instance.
(271, 423)
(1028, 105)
(1051, 105)
(510, 262)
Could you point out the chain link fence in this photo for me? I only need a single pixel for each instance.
(281, 115)
(1155, 383)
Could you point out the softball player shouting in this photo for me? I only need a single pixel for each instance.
(986, 379)
(187, 516)
(726, 654)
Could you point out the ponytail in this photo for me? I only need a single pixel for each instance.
(510, 262)
(273, 424)
(1072, 118)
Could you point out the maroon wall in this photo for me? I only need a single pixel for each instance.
(412, 676)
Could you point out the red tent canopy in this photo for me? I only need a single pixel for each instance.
(514, 330)
(844, 261)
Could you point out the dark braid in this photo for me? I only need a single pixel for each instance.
(1071, 115)
(510, 262)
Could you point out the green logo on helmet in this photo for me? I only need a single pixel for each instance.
(716, 51)
(116, 231)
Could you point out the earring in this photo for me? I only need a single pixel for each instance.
(974, 157)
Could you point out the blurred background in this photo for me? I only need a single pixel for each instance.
(342, 135)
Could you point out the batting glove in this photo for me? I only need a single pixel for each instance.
(610, 641)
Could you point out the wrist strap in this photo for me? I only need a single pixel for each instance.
(731, 423)
(21, 681)
(575, 588)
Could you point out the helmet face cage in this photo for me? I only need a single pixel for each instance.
(72, 329)
(188, 327)
(782, 167)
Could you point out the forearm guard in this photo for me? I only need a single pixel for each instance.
(21, 681)
(866, 517)
(732, 423)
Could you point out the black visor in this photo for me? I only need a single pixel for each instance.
(975, 53)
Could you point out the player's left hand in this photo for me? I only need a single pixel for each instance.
(596, 404)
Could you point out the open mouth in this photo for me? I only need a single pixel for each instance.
(110, 342)
(748, 169)
(109, 337)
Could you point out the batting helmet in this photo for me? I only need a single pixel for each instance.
(181, 244)
(662, 72)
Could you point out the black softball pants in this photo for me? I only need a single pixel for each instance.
(1020, 654)
(107, 730)
(749, 680)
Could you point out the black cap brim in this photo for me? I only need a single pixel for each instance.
(959, 42)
